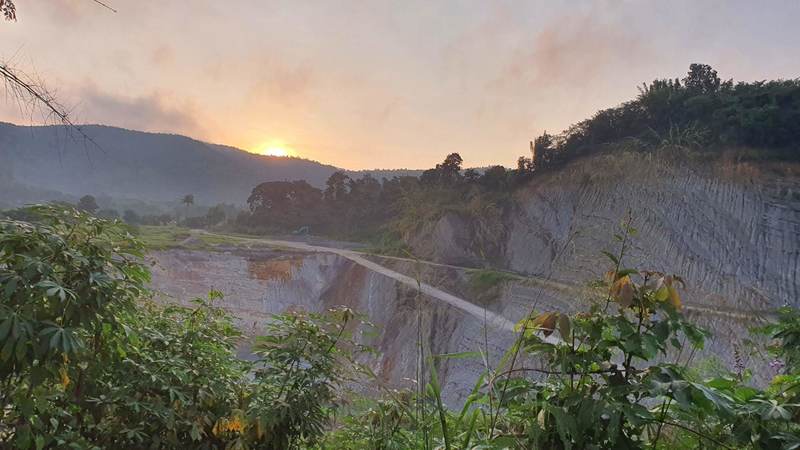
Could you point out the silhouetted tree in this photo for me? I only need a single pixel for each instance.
(188, 200)
(543, 149)
(446, 173)
(702, 79)
(88, 203)
(495, 178)
(285, 204)
(336, 186)
(471, 175)
(215, 215)
(451, 168)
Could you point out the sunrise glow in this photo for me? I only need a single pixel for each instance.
(275, 149)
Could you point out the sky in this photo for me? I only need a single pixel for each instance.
(379, 84)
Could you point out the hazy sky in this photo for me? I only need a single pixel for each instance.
(364, 84)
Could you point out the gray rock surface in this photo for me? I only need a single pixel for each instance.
(258, 283)
(731, 230)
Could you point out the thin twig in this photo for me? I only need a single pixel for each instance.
(105, 5)
(22, 86)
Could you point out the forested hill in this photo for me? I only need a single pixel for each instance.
(147, 166)
(761, 120)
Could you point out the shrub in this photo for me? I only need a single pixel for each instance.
(88, 362)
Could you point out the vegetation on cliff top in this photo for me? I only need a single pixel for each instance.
(697, 112)
(87, 361)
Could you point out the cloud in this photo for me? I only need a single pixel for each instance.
(163, 55)
(572, 52)
(283, 82)
(149, 112)
(565, 70)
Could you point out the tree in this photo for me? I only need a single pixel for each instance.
(525, 169)
(451, 167)
(285, 204)
(336, 186)
(430, 176)
(494, 178)
(702, 79)
(543, 150)
(471, 175)
(215, 215)
(88, 203)
(446, 173)
(188, 200)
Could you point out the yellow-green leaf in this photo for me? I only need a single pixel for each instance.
(674, 298)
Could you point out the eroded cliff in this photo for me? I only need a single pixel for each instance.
(259, 282)
(730, 229)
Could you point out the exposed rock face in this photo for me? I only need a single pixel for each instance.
(258, 283)
(450, 239)
(731, 230)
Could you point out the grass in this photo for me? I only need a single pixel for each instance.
(388, 244)
(484, 281)
(170, 236)
(162, 237)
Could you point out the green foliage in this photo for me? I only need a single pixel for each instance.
(167, 381)
(161, 237)
(64, 279)
(284, 205)
(301, 368)
(86, 363)
(171, 236)
(368, 209)
(700, 112)
(484, 279)
(785, 333)
(388, 243)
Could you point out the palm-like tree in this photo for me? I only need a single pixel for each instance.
(187, 200)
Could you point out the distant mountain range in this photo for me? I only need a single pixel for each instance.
(45, 161)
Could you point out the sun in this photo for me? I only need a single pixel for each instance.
(275, 149)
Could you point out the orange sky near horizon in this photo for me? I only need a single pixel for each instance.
(379, 84)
